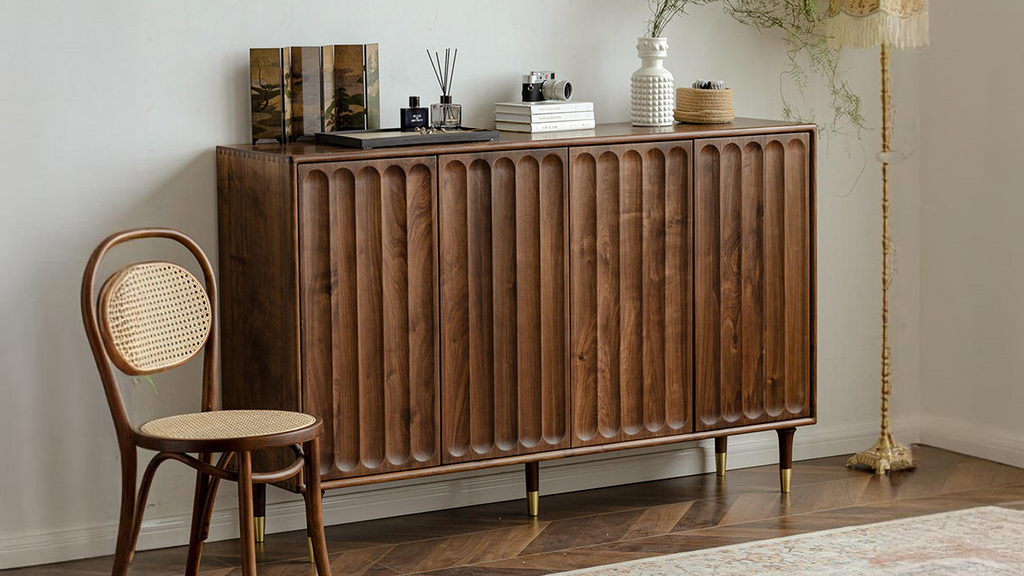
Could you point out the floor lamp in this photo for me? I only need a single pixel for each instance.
(889, 24)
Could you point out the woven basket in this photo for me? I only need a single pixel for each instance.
(698, 106)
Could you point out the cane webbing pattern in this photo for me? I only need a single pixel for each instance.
(157, 315)
(226, 424)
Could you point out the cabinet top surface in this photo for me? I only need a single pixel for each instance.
(603, 134)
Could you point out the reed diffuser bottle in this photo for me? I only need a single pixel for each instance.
(445, 114)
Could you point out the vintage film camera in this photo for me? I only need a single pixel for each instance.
(538, 86)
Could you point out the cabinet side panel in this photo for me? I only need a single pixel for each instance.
(258, 286)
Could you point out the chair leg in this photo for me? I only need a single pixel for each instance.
(314, 507)
(126, 523)
(195, 539)
(245, 523)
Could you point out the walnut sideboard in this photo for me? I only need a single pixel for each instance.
(447, 308)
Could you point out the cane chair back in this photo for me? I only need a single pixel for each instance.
(149, 317)
(154, 316)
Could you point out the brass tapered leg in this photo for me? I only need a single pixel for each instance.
(785, 457)
(720, 463)
(533, 503)
(309, 548)
(785, 475)
(720, 451)
(259, 506)
(260, 525)
(533, 488)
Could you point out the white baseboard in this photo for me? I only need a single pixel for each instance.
(974, 440)
(452, 491)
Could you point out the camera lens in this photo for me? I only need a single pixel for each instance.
(557, 90)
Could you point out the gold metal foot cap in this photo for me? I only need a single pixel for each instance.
(885, 456)
(260, 524)
(720, 463)
(785, 476)
(309, 545)
(533, 502)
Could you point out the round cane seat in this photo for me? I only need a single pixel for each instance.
(226, 424)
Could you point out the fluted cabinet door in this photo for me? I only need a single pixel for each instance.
(367, 289)
(504, 387)
(631, 239)
(753, 282)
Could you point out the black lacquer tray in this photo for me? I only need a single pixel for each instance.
(367, 139)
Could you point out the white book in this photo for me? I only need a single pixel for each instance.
(545, 107)
(545, 126)
(556, 117)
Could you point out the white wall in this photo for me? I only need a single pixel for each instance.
(109, 114)
(972, 270)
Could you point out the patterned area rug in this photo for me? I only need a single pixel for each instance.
(985, 541)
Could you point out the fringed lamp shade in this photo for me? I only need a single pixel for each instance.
(867, 23)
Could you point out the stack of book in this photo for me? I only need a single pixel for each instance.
(546, 116)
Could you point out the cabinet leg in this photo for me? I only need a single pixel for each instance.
(720, 449)
(259, 508)
(785, 457)
(533, 488)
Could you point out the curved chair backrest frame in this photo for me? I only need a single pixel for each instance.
(110, 354)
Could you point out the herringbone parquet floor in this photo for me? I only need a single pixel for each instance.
(611, 524)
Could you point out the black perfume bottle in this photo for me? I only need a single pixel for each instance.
(414, 117)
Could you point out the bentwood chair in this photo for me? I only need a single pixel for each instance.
(150, 317)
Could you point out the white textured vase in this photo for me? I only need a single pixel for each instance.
(652, 88)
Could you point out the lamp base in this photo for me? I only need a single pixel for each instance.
(885, 456)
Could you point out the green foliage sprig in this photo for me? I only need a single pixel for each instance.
(802, 23)
(138, 380)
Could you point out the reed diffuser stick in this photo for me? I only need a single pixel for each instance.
(444, 72)
(454, 58)
(437, 74)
